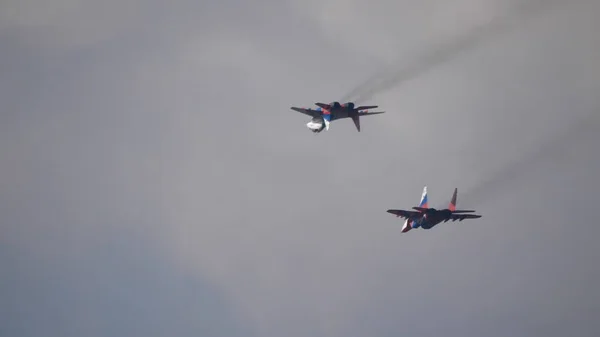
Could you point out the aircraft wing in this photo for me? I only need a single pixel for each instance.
(370, 113)
(461, 217)
(309, 112)
(404, 214)
(423, 209)
(366, 107)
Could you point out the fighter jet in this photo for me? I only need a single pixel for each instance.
(327, 113)
(426, 218)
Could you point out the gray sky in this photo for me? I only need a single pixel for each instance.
(154, 181)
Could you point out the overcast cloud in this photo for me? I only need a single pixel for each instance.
(154, 181)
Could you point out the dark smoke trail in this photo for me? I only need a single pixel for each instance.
(566, 141)
(446, 52)
(370, 82)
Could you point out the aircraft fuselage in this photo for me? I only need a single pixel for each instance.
(338, 111)
(334, 112)
(431, 218)
(327, 113)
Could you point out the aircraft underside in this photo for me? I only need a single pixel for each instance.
(316, 124)
(421, 223)
(327, 113)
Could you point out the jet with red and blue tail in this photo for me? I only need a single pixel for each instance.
(327, 113)
(427, 218)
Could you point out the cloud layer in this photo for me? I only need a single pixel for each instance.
(154, 179)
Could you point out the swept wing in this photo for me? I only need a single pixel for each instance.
(404, 214)
(309, 112)
(370, 113)
(424, 209)
(461, 217)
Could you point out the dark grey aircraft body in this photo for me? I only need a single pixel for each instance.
(327, 113)
(427, 218)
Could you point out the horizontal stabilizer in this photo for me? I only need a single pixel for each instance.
(420, 209)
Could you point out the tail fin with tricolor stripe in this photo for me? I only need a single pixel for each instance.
(424, 202)
(408, 224)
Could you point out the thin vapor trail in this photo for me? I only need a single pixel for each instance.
(536, 158)
(447, 51)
